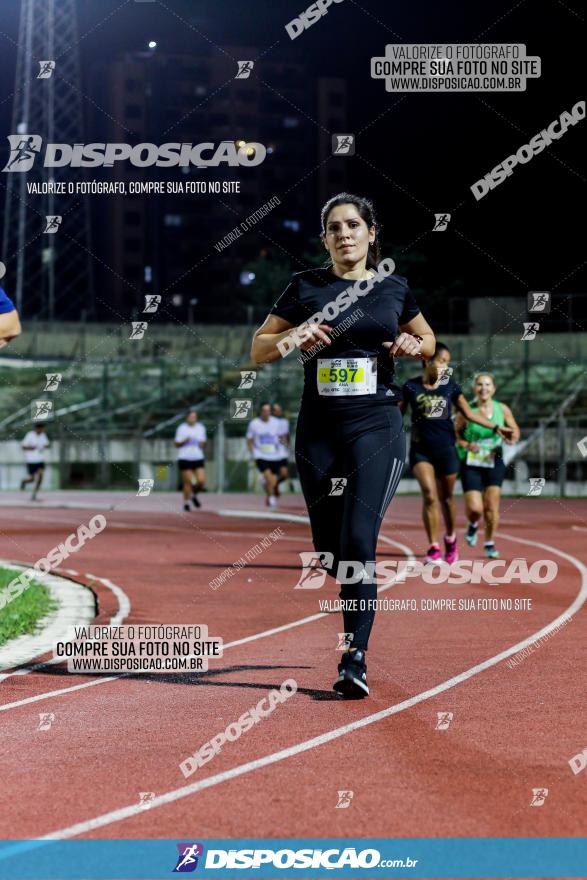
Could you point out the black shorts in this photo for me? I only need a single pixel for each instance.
(184, 464)
(476, 479)
(264, 465)
(33, 468)
(443, 459)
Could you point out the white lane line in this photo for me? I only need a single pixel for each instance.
(295, 538)
(115, 620)
(187, 790)
(269, 632)
(264, 514)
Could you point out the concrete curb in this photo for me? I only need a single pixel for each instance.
(77, 607)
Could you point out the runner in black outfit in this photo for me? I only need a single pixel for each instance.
(349, 424)
(433, 454)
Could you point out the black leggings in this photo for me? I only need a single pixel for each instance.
(366, 444)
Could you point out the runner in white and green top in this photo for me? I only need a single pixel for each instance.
(482, 465)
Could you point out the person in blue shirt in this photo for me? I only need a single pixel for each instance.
(9, 320)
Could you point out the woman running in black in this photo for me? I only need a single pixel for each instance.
(433, 455)
(349, 424)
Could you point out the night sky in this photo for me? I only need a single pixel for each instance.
(422, 155)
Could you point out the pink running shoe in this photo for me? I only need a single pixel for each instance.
(433, 554)
(451, 553)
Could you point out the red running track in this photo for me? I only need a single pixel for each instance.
(513, 729)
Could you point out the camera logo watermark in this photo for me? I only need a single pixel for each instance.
(443, 720)
(539, 301)
(529, 332)
(435, 407)
(52, 223)
(314, 570)
(189, 853)
(338, 485)
(145, 487)
(539, 795)
(245, 68)
(344, 799)
(445, 376)
(41, 410)
(46, 719)
(441, 222)
(344, 642)
(23, 151)
(145, 798)
(52, 381)
(152, 302)
(138, 329)
(240, 409)
(247, 378)
(46, 69)
(343, 145)
(537, 484)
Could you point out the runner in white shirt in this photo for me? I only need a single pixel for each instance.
(190, 441)
(263, 436)
(34, 444)
(283, 473)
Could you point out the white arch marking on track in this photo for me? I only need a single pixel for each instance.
(210, 781)
(116, 620)
(268, 632)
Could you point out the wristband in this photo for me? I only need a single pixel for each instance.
(495, 429)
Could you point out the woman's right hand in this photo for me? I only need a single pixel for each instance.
(473, 447)
(313, 334)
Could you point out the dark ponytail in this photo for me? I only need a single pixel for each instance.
(366, 211)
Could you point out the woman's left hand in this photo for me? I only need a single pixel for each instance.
(405, 345)
(506, 434)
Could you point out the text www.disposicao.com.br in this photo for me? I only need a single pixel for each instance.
(134, 664)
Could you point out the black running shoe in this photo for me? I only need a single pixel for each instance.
(196, 501)
(352, 676)
(186, 507)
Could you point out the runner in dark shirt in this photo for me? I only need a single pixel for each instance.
(350, 447)
(433, 458)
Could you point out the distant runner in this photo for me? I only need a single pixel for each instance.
(482, 465)
(190, 441)
(34, 445)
